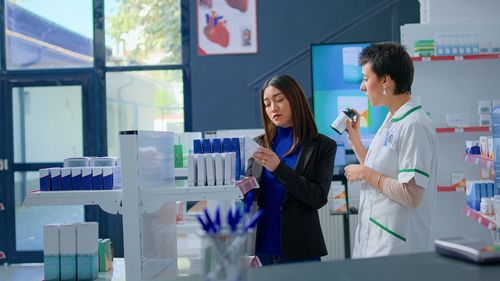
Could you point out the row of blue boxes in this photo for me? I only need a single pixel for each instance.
(216, 145)
(80, 178)
(477, 189)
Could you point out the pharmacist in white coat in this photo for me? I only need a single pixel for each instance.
(399, 169)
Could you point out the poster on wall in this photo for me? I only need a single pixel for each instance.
(227, 27)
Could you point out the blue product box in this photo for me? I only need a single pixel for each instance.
(86, 178)
(55, 178)
(44, 179)
(65, 178)
(235, 147)
(76, 178)
(483, 191)
(216, 146)
(206, 146)
(197, 146)
(226, 145)
(96, 178)
(111, 178)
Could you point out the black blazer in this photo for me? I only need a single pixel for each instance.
(307, 190)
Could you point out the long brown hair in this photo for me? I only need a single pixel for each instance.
(302, 118)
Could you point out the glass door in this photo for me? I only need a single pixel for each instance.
(44, 124)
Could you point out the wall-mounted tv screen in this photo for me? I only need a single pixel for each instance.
(336, 81)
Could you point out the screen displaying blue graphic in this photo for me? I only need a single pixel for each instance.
(336, 81)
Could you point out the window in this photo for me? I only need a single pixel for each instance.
(143, 32)
(39, 36)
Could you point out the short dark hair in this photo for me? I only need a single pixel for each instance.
(302, 118)
(391, 59)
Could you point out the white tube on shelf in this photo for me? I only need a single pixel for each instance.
(209, 160)
(192, 171)
(219, 169)
(201, 169)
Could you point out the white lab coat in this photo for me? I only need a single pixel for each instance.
(404, 147)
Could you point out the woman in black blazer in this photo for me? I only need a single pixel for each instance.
(294, 169)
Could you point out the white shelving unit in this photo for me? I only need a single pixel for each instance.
(146, 202)
(450, 85)
(109, 200)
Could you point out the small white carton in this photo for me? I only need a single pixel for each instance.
(51, 257)
(87, 245)
(67, 245)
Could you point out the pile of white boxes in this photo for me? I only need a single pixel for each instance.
(71, 251)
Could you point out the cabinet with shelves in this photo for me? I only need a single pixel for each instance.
(454, 85)
(147, 202)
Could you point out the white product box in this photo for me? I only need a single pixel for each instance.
(483, 144)
(67, 246)
(485, 120)
(51, 257)
(209, 160)
(87, 244)
(229, 168)
(201, 169)
(77, 162)
(484, 107)
(219, 169)
(192, 171)
(104, 161)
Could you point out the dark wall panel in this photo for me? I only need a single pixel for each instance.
(225, 88)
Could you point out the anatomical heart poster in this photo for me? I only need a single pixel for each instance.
(227, 27)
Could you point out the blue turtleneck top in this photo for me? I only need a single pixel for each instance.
(269, 229)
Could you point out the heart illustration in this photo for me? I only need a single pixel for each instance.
(216, 30)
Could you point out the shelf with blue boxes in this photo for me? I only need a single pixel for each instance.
(147, 201)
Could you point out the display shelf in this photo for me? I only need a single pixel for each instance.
(110, 201)
(486, 221)
(463, 130)
(457, 58)
(154, 198)
(442, 188)
(485, 163)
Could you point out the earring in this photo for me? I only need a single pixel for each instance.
(384, 92)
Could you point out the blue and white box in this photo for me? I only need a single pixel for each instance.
(96, 178)
(67, 247)
(111, 178)
(86, 178)
(87, 245)
(66, 179)
(76, 178)
(44, 179)
(235, 147)
(51, 257)
(55, 178)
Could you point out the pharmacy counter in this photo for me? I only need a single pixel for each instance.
(414, 267)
